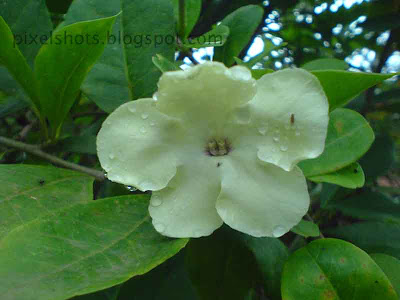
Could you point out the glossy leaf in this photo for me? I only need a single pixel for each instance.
(349, 137)
(214, 38)
(373, 237)
(14, 61)
(391, 267)
(369, 205)
(342, 86)
(306, 229)
(242, 24)
(152, 22)
(81, 249)
(30, 193)
(325, 64)
(334, 269)
(351, 177)
(79, 46)
(192, 14)
(106, 84)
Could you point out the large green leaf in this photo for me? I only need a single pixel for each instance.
(373, 237)
(75, 48)
(351, 177)
(369, 205)
(29, 193)
(192, 14)
(391, 266)
(270, 255)
(106, 84)
(30, 22)
(325, 64)
(242, 24)
(334, 269)
(14, 61)
(216, 37)
(349, 137)
(81, 249)
(151, 26)
(342, 86)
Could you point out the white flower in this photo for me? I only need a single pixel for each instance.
(218, 146)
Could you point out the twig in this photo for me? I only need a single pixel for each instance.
(182, 18)
(35, 150)
(24, 132)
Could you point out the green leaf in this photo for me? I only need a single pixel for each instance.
(391, 267)
(214, 38)
(342, 86)
(326, 64)
(106, 84)
(373, 237)
(163, 64)
(242, 24)
(220, 268)
(152, 22)
(379, 158)
(258, 73)
(15, 62)
(10, 105)
(334, 269)
(369, 205)
(306, 229)
(75, 48)
(30, 22)
(349, 137)
(81, 249)
(192, 14)
(79, 144)
(268, 47)
(30, 193)
(351, 177)
(270, 255)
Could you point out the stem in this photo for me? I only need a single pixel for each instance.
(182, 17)
(35, 150)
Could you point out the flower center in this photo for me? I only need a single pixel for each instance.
(218, 147)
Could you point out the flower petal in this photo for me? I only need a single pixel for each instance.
(186, 208)
(205, 94)
(290, 115)
(135, 145)
(259, 198)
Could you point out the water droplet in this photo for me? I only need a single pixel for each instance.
(152, 123)
(111, 156)
(159, 227)
(276, 139)
(155, 200)
(284, 148)
(279, 231)
(262, 130)
(155, 96)
(132, 109)
(297, 133)
(131, 188)
(143, 130)
(145, 116)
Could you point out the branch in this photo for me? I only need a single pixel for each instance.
(35, 150)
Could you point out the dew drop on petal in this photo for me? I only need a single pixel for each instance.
(155, 200)
(278, 231)
(132, 109)
(276, 139)
(131, 188)
(284, 148)
(297, 133)
(145, 116)
(152, 124)
(262, 130)
(111, 156)
(143, 130)
(159, 227)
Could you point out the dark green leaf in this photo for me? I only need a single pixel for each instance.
(214, 38)
(306, 229)
(351, 177)
(326, 64)
(373, 237)
(163, 64)
(10, 105)
(81, 249)
(342, 86)
(334, 269)
(192, 13)
(242, 23)
(152, 23)
(349, 137)
(75, 48)
(107, 294)
(106, 84)
(391, 267)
